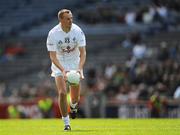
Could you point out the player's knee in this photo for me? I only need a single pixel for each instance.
(62, 93)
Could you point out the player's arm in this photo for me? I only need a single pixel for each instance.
(82, 59)
(82, 49)
(55, 61)
(51, 47)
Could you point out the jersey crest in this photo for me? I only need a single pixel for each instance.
(74, 39)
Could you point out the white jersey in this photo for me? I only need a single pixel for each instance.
(66, 46)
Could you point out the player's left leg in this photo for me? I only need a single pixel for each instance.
(75, 96)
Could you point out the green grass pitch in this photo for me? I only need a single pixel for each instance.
(91, 127)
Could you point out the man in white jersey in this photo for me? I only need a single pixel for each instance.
(66, 45)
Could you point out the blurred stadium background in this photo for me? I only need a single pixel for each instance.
(133, 58)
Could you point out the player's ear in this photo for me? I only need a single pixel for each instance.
(59, 19)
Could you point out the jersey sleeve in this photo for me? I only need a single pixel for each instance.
(50, 43)
(81, 38)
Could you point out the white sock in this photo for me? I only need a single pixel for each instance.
(73, 105)
(66, 120)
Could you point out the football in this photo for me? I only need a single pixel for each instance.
(73, 77)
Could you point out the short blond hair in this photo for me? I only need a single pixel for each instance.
(61, 13)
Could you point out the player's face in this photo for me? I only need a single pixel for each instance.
(67, 20)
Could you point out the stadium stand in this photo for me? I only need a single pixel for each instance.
(21, 15)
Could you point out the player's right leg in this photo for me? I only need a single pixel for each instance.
(62, 101)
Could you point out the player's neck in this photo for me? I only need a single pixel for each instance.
(65, 29)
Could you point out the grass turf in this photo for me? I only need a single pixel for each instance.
(91, 127)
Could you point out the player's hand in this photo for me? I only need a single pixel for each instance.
(80, 71)
(64, 75)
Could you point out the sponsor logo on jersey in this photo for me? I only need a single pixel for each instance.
(68, 49)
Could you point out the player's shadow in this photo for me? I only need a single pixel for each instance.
(78, 130)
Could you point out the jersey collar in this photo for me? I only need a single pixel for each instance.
(60, 28)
